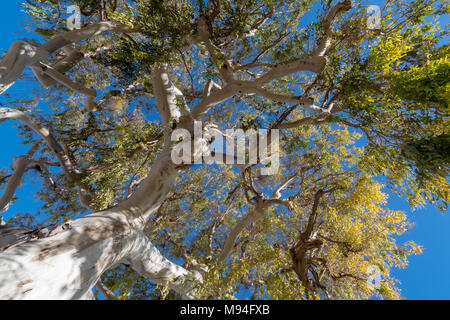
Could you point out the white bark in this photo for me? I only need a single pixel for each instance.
(21, 54)
(68, 263)
(260, 208)
(65, 265)
(69, 168)
(154, 188)
(20, 165)
(326, 27)
(41, 69)
(151, 264)
(62, 66)
(254, 215)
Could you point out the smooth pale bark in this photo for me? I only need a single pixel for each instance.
(69, 261)
(254, 215)
(325, 42)
(66, 262)
(313, 64)
(68, 62)
(44, 133)
(10, 235)
(41, 69)
(154, 188)
(217, 97)
(260, 208)
(19, 166)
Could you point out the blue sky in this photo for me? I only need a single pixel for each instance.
(428, 274)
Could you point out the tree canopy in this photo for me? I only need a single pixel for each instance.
(362, 112)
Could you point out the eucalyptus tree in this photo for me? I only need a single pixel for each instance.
(361, 102)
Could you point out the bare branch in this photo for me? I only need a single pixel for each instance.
(209, 85)
(208, 101)
(277, 193)
(62, 66)
(314, 64)
(19, 166)
(255, 214)
(166, 95)
(225, 66)
(315, 120)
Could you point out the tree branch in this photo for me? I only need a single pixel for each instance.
(255, 214)
(166, 95)
(214, 52)
(105, 291)
(62, 66)
(22, 54)
(343, 6)
(19, 166)
(312, 218)
(68, 167)
(199, 110)
(278, 97)
(314, 64)
(153, 190)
